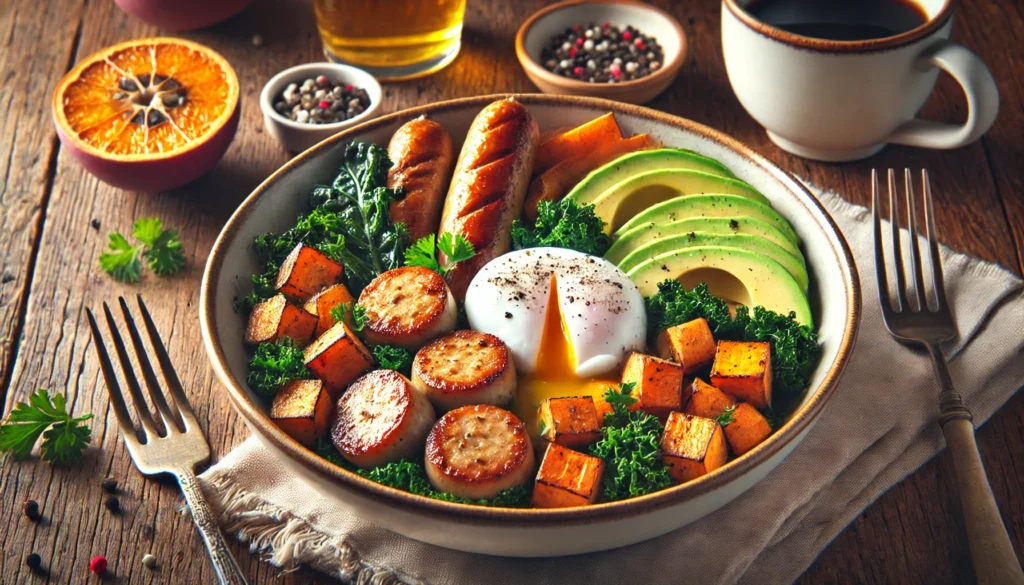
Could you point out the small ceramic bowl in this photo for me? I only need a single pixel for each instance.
(538, 30)
(297, 137)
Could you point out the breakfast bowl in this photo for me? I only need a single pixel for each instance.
(551, 20)
(834, 301)
(297, 136)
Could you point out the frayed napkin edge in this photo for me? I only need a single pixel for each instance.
(287, 541)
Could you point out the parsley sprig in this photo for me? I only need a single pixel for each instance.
(159, 247)
(64, 436)
(455, 247)
(726, 418)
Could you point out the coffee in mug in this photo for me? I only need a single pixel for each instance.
(837, 80)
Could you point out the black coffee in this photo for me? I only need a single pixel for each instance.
(840, 20)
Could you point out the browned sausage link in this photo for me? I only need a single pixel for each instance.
(489, 185)
(422, 153)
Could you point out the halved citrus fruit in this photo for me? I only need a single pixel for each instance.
(149, 114)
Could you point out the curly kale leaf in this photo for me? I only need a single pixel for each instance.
(274, 365)
(563, 224)
(629, 446)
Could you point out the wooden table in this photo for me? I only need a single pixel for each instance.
(50, 274)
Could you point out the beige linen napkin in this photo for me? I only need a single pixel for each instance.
(878, 427)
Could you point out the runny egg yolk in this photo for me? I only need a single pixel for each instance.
(555, 376)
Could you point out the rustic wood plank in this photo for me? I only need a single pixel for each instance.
(912, 534)
(39, 42)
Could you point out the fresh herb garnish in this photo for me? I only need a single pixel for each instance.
(359, 317)
(726, 418)
(456, 248)
(563, 224)
(274, 365)
(411, 476)
(64, 436)
(160, 248)
(394, 358)
(630, 448)
(794, 346)
(338, 311)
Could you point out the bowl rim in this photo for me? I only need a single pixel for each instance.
(267, 106)
(258, 419)
(665, 74)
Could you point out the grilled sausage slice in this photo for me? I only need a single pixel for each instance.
(407, 307)
(466, 367)
(489, 185)
(423, 157)
(475, 452)
(380, 418)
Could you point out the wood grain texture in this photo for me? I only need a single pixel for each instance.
(912, 534)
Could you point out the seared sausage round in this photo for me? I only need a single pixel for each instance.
(407, 307)
(380, 418)
(466, 367)
(489, 185)
(423, 157)
(475, 452)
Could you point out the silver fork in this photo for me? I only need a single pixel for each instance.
(175, 444)
(914, 319)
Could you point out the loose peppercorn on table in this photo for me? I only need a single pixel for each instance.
(54, 218)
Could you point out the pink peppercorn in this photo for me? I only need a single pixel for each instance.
(627, 35)
(98, 564)
(640, 44)
(615, 70)
(324, 104)
(578, 71)
(576, 27)
(606, 24)
(572, 51)
(321, 80)
(348, 87)
(580, 41)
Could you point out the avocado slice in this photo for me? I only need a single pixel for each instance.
(635, 194)
(713, 205)
(605, 177)
(735, 275)
(756, 244)
(646, 233)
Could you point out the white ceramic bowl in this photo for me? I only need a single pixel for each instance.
(297, 137)
(535, 33)
(273, 206)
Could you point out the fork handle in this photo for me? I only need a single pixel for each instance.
(224, 564)
(995, 562)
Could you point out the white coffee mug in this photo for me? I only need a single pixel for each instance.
(845, 100)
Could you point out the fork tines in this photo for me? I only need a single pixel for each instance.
(912, 298)
(175, 414)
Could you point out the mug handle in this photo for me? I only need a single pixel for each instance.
(982, 100)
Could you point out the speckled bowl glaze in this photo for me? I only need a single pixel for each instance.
(835, 302)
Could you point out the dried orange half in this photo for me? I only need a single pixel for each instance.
(149, 114)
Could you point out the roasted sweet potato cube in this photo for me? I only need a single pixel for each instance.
(747, 429)
(567, 478)
(692, 446)
(324, 301)
(306, 271)
(570, 422)
(658, 383)
(303, 410)
(577, 142)
(706, 400)
(337, 358)
(276, 318)
(743, 369)
(690, 344)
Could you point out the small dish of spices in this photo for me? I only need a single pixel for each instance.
(306, 104)
(623, 50)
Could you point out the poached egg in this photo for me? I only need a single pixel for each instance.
(569, 319)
